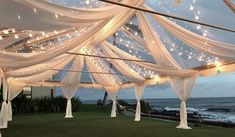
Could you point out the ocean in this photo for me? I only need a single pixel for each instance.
(217, 109)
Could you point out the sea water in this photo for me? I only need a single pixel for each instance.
(217, 109)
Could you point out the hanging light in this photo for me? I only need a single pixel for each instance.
(16, 36)
(5, 31)
(218, 66)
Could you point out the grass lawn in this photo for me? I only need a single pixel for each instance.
(91, 122)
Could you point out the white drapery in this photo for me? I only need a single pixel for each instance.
(154, 44)
(223, 50)
(139, 90)
(101, 31)
(4, 109)
(154, 67)
(14, 89)
(113, 91)
(121, 65)
(72, 80)
(79, 14)
(183, 86)
(105, 80)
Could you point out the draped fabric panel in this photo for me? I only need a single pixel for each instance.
(113, 91)
(23, 17)
(122, 66)
(44, 75)
(39, 68)
(139, 90)
(154, 67)
(81, 15)
(14, 89)
(101, 31)
(4, 108)
(71, 81)
(183, 86)
(115, 23)
(73, 44)
(103, 79)
(154, 44)
(223, 50)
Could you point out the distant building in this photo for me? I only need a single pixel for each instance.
(35, 92)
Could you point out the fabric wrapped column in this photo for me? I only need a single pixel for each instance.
(69, 92)
(139, 89)
(71, 81)
(4, 109)
(183, 87)
(113, 95)
(69, 109)
(14, 89)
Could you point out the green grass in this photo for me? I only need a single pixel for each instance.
(97, 123)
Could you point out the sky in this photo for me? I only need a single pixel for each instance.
(221, 85)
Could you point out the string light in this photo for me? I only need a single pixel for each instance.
(19, 17)
(191, 7)
(5, 32)
(16, 36)
(218, 66)
(56, 15)
(35, 10)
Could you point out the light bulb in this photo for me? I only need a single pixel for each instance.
(16, 36)
(191, 7)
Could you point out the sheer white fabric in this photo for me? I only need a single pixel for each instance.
(19, 61)
(113, 91)
(154, 67)
(139, 90)
(103, 79)
(4, 109)
(154, 44)
(213, 47)
(72, 80)
(44, 75)
(22, 17)
(81, 15)
(14, 89)
(102, 31)
(122, 66)
(183, 86)
(39, 68)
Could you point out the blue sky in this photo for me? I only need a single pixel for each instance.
(222, 85)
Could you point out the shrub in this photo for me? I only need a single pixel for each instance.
(22, 104)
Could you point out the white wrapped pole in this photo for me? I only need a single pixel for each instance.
(139, 90)
(69, 109)
(69, 92)
(114, 109)
(112, 92)
(9, 111)
(14, 89)
(183, 87)
(72, 81)
(4, 115)
(138, 111)
(4, 109)
(183, 116)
